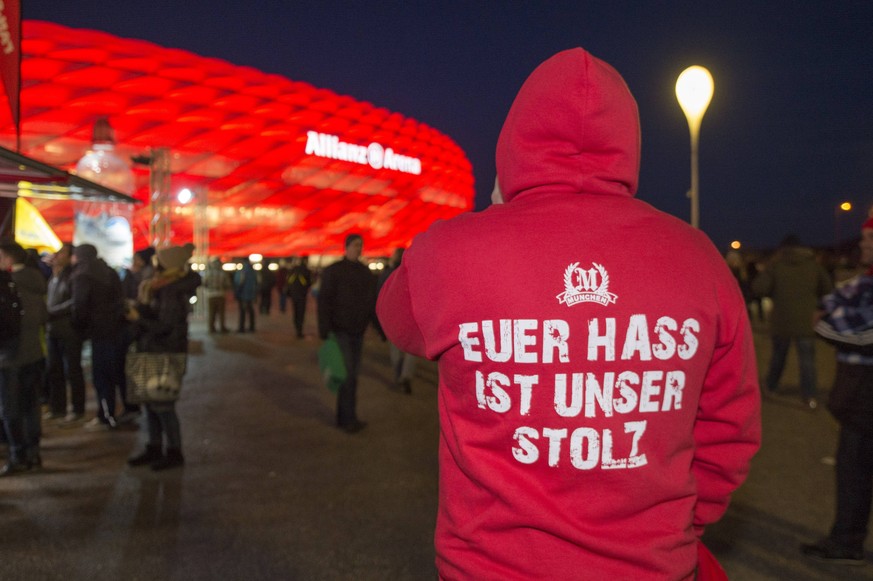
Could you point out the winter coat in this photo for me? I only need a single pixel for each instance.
(162, 325)
(98, 300)
(245, 283)
(795, 282)
(298, 281)
(598, 391)
(32, 290)
(59, 302)
(346, 299)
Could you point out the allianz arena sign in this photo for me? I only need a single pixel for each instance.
(286, 168)
(375, 155)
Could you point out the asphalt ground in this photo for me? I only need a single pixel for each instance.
(272, 490)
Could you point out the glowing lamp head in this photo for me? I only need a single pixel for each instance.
(694, 89)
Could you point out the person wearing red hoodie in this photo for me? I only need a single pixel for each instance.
(598, 391)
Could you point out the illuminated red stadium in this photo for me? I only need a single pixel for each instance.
(288, 168)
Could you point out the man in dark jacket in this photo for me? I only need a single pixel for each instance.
(346, 302)
(64, 362)
(20, 395)
(98, 314)
(795, 282)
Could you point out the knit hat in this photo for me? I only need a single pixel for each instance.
(85, 252)
(868, 224)
(175, 256)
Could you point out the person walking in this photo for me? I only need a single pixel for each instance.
(846, 321)
(795, 282)
(245, 290)
(598, 394)
(266, 284)
(299, 281)
(345, 306)
(160, 321)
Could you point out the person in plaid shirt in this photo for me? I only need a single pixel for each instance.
(846, 321)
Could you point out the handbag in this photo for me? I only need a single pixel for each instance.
(154, 377)
(331, 363)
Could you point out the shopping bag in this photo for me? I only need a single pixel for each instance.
(154, 377)
(331, 363)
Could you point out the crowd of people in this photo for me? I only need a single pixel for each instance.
(638, 388)
(50, 314)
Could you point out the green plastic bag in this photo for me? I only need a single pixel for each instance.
(331, 363)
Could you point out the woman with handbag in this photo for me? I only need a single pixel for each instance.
(160, 321)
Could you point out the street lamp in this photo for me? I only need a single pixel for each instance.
(694, 89)
(843, 207)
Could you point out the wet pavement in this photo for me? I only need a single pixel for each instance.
(272, 490)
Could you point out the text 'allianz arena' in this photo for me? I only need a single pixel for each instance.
(286, 168)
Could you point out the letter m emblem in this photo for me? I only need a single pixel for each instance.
(587, 279)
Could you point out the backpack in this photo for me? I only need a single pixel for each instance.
(10, 312)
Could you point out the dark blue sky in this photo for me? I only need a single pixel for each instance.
(788, 135)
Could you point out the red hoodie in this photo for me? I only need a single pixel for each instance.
(598, 392)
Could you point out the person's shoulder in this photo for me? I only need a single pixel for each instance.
(30, 280)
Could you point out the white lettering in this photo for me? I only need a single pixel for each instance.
(688, 350)
(637, 339)
(606, 341)
(667, 347)
(555, 336)
(505, 340)
(523, 339)
(526, 382)
(374, 155)
(496, 382)
(526, 452)
(588, 447)
(468, 343)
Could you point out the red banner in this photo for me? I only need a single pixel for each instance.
(10, 52)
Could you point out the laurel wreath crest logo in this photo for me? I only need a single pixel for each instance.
(584, 291)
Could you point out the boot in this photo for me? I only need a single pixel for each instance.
(151, 454)
(172, 459)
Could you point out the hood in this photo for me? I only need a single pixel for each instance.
(573, 128)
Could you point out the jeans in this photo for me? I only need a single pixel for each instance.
(107, 367)
(19, 398)
(64, 365)
(299, 304)
(163, 421)
(352, 346)
(854, 487)
(805, 357)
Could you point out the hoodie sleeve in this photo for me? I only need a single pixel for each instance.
(727, 431)
(395, 311)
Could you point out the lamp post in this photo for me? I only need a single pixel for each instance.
(694, 89)
(839, 210)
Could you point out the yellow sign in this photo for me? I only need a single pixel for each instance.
(31, 229)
